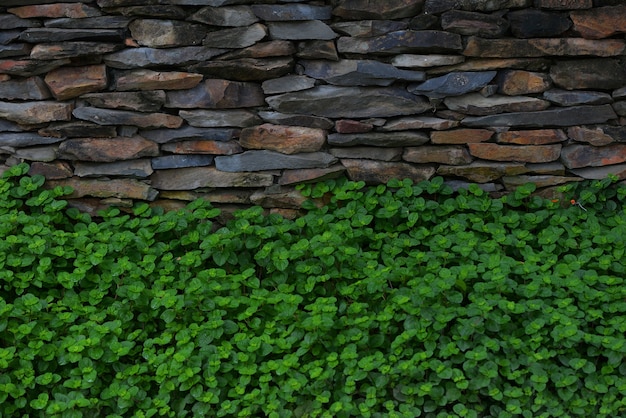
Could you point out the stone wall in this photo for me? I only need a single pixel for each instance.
(237, 101)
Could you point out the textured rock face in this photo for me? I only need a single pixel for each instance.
(126, 99)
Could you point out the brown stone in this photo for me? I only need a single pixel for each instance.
(203, 147)
(505, 48)
(314, 49)
(380, 172)
(107, 149)
(30, 67)
(427, 41)
(74, 11)
(140, 101)
(592, 136)
(281, 138)
(117, 188)
(225, 16)
(261, 50)
(578, 156)
(198, 177)
(526, 153)
(246, 69)
(532, 137)
(460, 136)
(71, 50)
(286, 198)
(600, 22)
(220, 118)
(126, 117)
(368, 153)
(564, 4)
(68, 82)
(474, 23)
(78, 129)
(32, 113)
(589, 74)
(155, 80)
(51, 171)
(156, 33)
(534, 23)
(349, 126)
(309, 175)
(32, 88)
(418, 122)
(442, 154)
(217, 94)
(483, 171)
(371, 27)
(518, 82)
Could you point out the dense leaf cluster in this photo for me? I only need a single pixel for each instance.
(403, 300)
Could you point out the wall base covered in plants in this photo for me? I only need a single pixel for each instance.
(404, 300)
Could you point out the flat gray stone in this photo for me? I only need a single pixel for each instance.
(426, 61)
(233, 16)
(25, 139)
(294, 31)
(599, 173)
(159, 33)
(220, 118)
(133, 168)
(350, 102)
(453, 84)
(78, 129)
(198, 177)
(368, 153)
(162, 136)
(36, 35)
(32, 88)
(379, 139)
(291, 12)
(141, 101)
(404, 41)
(380, 172)
(419, 122)
(308, 121)
(41, 154)
(358, 72)
(14, 50)
(10, 21)
(567, 116)
(153, 57)
(217, 94)
(180, 161)
(271, 160)
(101, 22)
(367, 28)
(127, 117)
(575, 98)
(368, 9)
(287, 84)
(477, 104)
(236, 37)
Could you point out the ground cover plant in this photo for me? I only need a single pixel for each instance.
(404, 300)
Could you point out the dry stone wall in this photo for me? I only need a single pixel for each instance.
(237, 101)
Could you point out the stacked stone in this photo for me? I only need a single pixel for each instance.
(237, 101)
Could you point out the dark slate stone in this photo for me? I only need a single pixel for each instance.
(32, 88)
(291, 12)
(164, 11)
(379, 139)
(161, 136)
(324, 50)
(132, 168)
(534, 23)
(350, 102)
(234, 16)
(440, 6)
(10, 21)
(453, 84)
(7, 126)
(25, 139)
(236, 37)
(217, 94)
(78, 130)
(301, 30)
(142, 101)
(60, 50)
(368, 9)
(270, 160)
(9, 36)
(405, 41)
(30, 67)
(566, 116)
(308, 121)
(14, 50)
(359, 72)
(367, 28)
(36, 35)
(618, 133)
(102, 22)
(180, 161)
(147, 57)
(423, 22)
(473, 23)
(575, 98)
(246, 69)
(594, 73)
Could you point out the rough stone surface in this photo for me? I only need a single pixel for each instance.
(349, 102)
(77, 130)
(368, 28)
(358, 72)
(349, 126)
(309, 29)
(167, 162)
(527, 153)
(592, 136)
(308, 175)
(125, 117)
(198, 177)
(246, 69)
(532, 137)
(35, 112)
(271, 160)
(476, 104)
(203, 147)
(578, 156)
(449, 155)
(425, 61)
(155, 80)
(418, 122)
(217, 94)
(520, 82)
(569, 116)
(278, 118)
(404, 41)
(369, 153)
(158, 33)
(71, 50)
(107, 150)
(597, 74)
(225, 16)
(535, 23)
(140, 101)
(453, 84)
(379, 139)
(236, 37)
(71, 10)
(220, 118)
(154, 57)
(162, 136)
(287, 84)
(284, 139)
(600, 22)
(503, 48)
(377, 172)
(474, 23)
(24, 139)
(135, 168)
(364, 9)
(483, 171)
(68, 82)
(118, 188)
(578, 97)
(31, 88)
(291, 12)
(460, 136)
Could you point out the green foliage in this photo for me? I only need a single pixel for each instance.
(404, 300)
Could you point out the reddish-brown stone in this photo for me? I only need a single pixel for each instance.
(68, 82)
(460, 136)
(309, 175)
(349, 126)
(107, 150)
(526, 153)
(289, 198)
(71, 10)
(532, 137)
(203, 147)
(33, 113)
(282, 138)
(51, 171)
(377, 172)
(483, 171)
(29, 67)
(117, 188)
(156, 80)
(518, 82)
(592, 136)
(72, 50)
(577, 156)
(450, 155)
(600, 22)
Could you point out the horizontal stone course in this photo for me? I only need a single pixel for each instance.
(238, 101)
